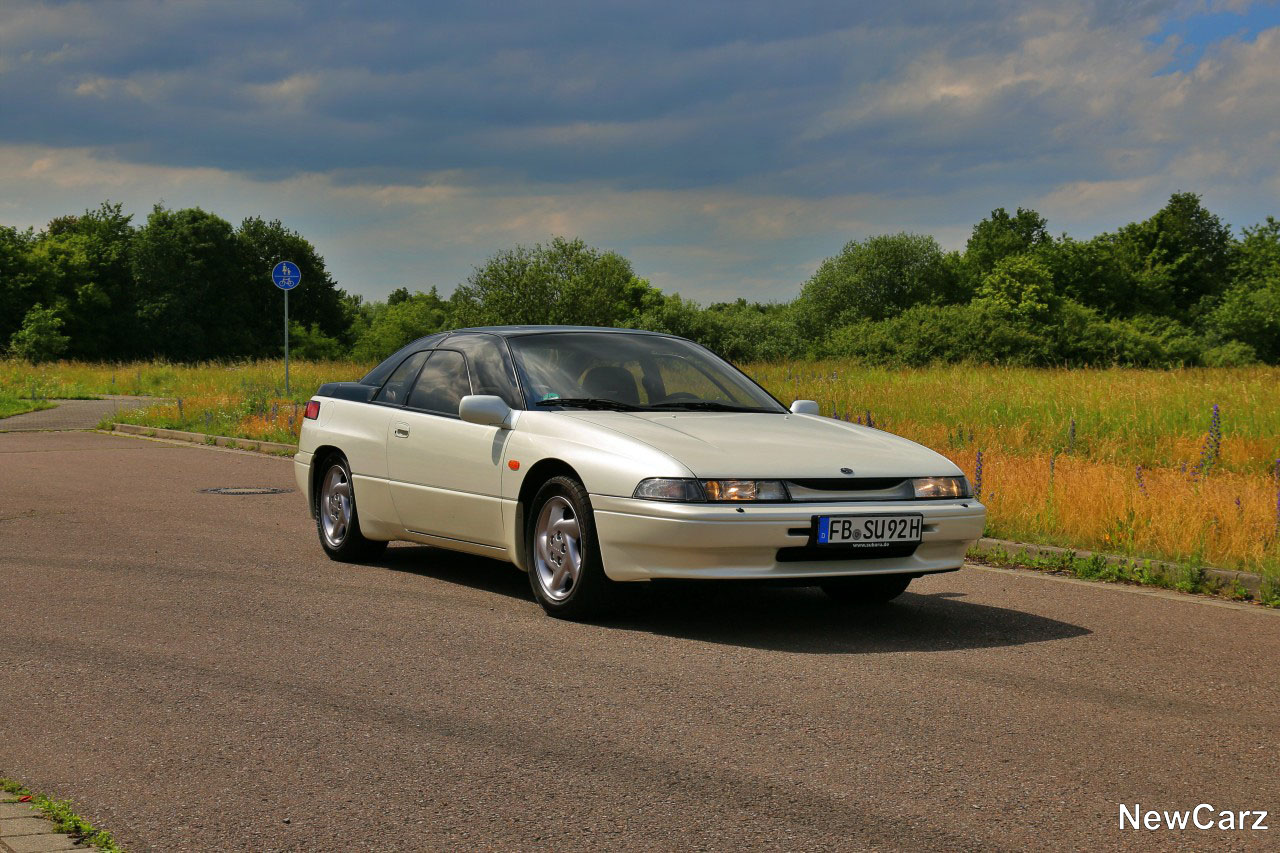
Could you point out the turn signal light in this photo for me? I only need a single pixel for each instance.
(313, 409)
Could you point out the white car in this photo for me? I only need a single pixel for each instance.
(593, 457)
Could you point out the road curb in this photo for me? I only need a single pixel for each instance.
(1223, 577)
(24, 827)
(273, 448)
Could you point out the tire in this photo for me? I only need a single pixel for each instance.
(565, 569)
(867, 591)
(337, 519)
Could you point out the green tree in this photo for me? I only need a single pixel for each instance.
(1179, 260)
(869, 280)
(86, 260)
(566, 282)
(1022, 286)
(190, 284)
(1091, 273)
(40, 338)
(393, 326)
(1000, 236)
(1250, 310)
(22, 280)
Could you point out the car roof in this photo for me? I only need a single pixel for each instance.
(515, 331)
(380, 373)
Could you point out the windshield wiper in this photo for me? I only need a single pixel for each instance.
(589, 403)
(707, 405)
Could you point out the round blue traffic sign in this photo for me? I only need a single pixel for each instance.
(286, 275)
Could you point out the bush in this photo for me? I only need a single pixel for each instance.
(1230, 354)
(40, 338)
(308, 342)
(394, 325)
(870, 280)
(943, 333)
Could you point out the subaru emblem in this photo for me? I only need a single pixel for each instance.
(846, 470)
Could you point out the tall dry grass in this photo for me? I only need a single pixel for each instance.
(1116, 460)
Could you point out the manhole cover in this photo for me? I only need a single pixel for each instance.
(246, 490)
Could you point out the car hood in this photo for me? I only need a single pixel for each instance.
(769, 446)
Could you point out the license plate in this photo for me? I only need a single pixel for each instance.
(865, 531)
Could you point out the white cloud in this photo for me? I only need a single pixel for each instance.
(722, 163)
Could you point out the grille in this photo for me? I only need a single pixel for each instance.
(814, 553)
(852, 489)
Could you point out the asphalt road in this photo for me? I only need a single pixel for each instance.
(196, 675)
(72, 414)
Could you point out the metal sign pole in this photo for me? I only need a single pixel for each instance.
(286, 343)
(286, 276)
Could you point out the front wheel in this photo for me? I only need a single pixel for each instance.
(868, 590)
(337, 520)
(565, 569)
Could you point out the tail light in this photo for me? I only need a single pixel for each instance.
(313, 410)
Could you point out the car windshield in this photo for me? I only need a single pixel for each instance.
(631, 372)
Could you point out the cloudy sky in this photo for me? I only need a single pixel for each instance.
(725, 147)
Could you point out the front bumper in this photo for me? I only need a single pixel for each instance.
(645, 540)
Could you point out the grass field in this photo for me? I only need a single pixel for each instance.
(1125, 461)
(1133, 462)
(12, 404)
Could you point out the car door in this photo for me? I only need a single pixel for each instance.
(445, 473)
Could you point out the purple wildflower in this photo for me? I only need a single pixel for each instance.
(1212, 446)
(977, 477)
(869, 423)
(1071, 437)
(1142, 487)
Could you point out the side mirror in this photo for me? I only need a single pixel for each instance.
(805, 407)
(486, 410)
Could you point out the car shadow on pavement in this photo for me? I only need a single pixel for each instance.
(791, 619)
(806, 621)
(456, 567)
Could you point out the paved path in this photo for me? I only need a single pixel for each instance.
(193, 672)
(72, 414)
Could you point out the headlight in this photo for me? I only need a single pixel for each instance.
(942, 487)
(719, 491)
(663, 489)
(745, 490)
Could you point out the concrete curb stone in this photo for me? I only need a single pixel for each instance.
(271, 447)
(1226, 577)
(32, 834)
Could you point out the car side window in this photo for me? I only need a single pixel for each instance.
(442, 384)
(490, 363)
(396, 390)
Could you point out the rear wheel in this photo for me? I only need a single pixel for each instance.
(868, 590)
(337, 520)
(565, 569)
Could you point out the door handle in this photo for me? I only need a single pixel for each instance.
(402, 432)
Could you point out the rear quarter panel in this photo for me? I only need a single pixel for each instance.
(359, 431)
